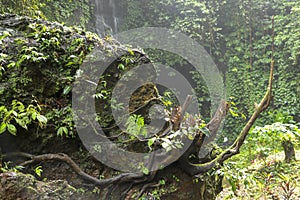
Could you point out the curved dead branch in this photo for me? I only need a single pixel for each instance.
(194, 169)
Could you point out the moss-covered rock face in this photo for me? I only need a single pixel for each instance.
(38, 64)
(25, 186)
(39, 60)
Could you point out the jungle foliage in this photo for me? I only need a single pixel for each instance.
(236, 33)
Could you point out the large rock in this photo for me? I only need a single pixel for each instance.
(24, 186)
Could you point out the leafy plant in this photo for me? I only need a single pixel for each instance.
(63, 121)
(7, 167)
(269, 137)
(136, 126)
(38, 170)
(24, 7)
(20, 115)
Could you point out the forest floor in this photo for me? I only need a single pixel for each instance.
(272, 178)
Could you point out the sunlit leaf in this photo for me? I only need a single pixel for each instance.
(2, 127)
(12, 129)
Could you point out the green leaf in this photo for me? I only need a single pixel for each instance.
(151, 141)
(2, 127)
(191, 137)
(3, 109)
(62, 130)
(145, 170)
(38, 170)
(121, 66)
(162, 182)
(67, 89)
(14, 113)
(131, 51)
(41, 119)
(12, 129)
(12, 64)
(21, 122)
(4, 35)
(233, 113)
(33, 115)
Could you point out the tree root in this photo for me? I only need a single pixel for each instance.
(122, 178)
(145, 187)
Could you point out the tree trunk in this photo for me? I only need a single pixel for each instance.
(289, 151)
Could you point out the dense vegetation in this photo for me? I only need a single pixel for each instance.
(236, 33)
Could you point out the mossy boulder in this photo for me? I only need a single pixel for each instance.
(39, 61)
(25, 186)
